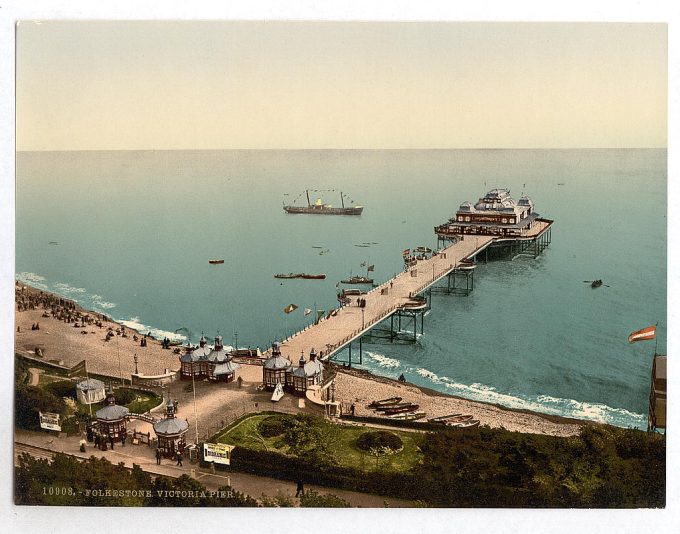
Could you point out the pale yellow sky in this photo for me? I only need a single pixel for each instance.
(218, 84)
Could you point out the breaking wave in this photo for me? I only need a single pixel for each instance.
(383, 361)
(157, 333)
(600, 413)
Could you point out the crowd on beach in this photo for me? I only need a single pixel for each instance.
(57, 307)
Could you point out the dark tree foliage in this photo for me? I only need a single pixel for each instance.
(125, 396)
(379, 438)
(62, 388)
(604, 467)
(29, 400)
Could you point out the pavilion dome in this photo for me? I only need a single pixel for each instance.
(277, 362)
(112, 412)
(170, 426)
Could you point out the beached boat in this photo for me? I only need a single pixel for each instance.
(410, 408)
(408, 416)
(457, 419)
(466, 424)
(215, 262)
(384, 402)
(393, 406)
(443, 418)
(319, 208)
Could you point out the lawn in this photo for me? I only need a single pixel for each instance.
(245, 435)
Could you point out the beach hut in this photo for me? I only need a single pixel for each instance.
(276, 369)
(90, 391)
(225, 372)
(308, 373)
(111, 421)
(171, 432)
(194, 362)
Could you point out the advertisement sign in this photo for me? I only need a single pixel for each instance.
(49, 421)
(217, 452)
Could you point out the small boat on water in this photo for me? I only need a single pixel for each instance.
(408, 416)
(466, 265)
(385, 402)
(302, 275)
(358, 280)
(596, 283)
(215, 262)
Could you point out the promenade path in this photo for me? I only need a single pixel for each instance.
(43, 445)
(331, 334)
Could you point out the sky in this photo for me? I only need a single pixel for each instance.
(99, 85)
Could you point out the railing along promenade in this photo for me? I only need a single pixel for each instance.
(349, 322)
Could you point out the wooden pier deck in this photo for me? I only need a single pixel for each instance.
(334, 333)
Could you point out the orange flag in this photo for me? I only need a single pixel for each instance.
(643, 335)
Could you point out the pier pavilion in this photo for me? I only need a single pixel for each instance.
(171, 432)
(496, 213)
(111, 421)
(201, 362)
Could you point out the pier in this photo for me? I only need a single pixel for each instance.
(400, 295)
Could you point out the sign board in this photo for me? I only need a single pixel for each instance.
(218, 453)
(49, 421)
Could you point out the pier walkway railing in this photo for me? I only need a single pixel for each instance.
(349, 322)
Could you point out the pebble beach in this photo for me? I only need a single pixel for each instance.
(68, 343)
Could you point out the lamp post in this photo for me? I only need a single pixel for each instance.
(362, 319)
(193, 388)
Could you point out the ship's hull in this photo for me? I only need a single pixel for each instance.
(323, 210)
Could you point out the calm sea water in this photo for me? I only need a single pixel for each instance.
(135, 231)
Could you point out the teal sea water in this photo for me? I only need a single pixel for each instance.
(135, 231)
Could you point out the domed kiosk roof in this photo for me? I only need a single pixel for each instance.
(171, 426)
(112, 412)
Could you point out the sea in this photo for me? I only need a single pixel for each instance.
(129, 234)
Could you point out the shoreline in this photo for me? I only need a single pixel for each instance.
(60, 340)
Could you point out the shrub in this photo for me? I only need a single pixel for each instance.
(274, 425)
(62, 388)
(378, 439)
(30, 400)
(312, 499)
(125, 396)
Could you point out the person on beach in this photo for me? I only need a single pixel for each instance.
(300, 488)
(179, 459)
(352, 408)
(158, 457)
